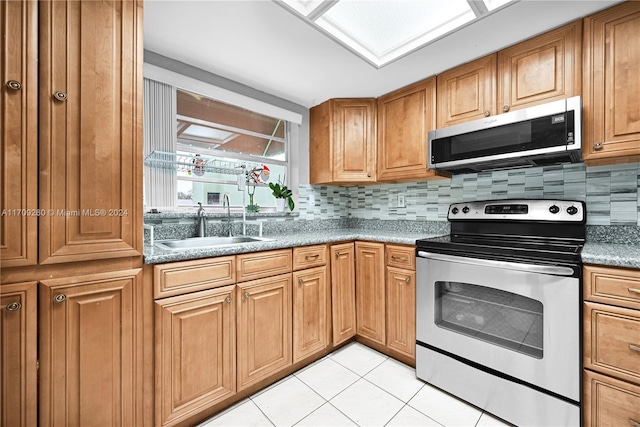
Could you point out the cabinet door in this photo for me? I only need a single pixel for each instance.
(343, 292)
(90, 130)
(264, 328)
(18, 354)
(354, 140)
(370, 291)
(87, 349)
(310, 312)
(404, 119)
(19, 133)
(195, 353)
(610, 402)
(542, 69)
(611, 103)
(467, 92)
(401, 311)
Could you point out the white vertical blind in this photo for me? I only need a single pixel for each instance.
(159, 135)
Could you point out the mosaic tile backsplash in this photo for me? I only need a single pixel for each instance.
(611, 193)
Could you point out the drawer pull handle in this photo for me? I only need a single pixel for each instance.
(311, 257)
(634, 347)
(634, 290)
(399, 258)
(338, 254)
(13, 306)
(634, 423)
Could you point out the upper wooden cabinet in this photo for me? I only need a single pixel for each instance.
(542, 69)
(611, 102)
(342, 142)
(90, 130)
(19, 133)
(467, 92)
(404, 118)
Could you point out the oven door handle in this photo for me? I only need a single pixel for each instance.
(529, 268)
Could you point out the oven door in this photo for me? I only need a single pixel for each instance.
(520, 320)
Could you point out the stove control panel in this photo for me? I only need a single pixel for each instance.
(515, 210)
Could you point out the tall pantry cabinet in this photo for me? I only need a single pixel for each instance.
(71, 224)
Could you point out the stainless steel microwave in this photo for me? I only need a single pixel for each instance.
(541, 135)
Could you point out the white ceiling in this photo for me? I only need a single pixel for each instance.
(262, 45)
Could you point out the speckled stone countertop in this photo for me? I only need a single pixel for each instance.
(611, 254)
(155, 255)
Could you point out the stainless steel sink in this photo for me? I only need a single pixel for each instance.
(208, 242)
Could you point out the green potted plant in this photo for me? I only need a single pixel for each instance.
(282, 194)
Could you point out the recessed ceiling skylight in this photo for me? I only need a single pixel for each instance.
(381, 31)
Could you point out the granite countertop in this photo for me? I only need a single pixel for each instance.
(611, 254)
(156, 255)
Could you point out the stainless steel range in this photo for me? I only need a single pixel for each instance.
(498, 309)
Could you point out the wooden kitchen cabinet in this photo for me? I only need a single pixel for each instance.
(90, 366)
(611, 354)
(541, 69)
(405, 117)
(370, 291)
(611, 102)
(264, 321)
(311, 307)
(467, 92)
(18, 354)
(343, 292)
(401, 300)
(257, 265)
(19, 133)
(90, 130)
(181, 277)
(342, 142)
(195, 356)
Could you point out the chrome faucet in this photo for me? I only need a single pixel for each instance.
(201, 222)
(225, 201)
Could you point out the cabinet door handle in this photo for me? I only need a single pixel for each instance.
(246, 295)
(311, 257)
(14, 85)
(598, 146)
(368, 174)
(228, 300)
(635, 291)
(13, 306)
(300, 282)
(634, 423)
(505, 108)
(60, 298)
(487, 113)
(634, 347)
(408, 280)
(60, 95)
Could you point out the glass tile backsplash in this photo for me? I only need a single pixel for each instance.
(612, 194)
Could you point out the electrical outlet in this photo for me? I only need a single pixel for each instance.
(401, 201)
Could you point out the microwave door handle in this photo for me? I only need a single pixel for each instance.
(529, 268)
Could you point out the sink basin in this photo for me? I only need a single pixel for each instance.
(208, 242)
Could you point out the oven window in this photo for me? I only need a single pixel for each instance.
(501, 318)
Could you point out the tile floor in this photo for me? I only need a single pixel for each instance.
(353, 386)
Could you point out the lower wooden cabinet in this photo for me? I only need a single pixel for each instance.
(264, 328)
(195, 353)
(310, 312)
(609, 402)
(370, 291)
(401, 311)
(343, 292)
(18, 354)
(89, 365)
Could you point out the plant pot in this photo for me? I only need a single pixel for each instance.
(280, 205)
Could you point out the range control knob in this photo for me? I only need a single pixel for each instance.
(554, 209)
(454, 211)
(572, 210)
(465, 209)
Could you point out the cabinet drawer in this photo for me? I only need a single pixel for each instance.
(309, 256)
(612, 341)
(189, 276)
(263, 264)
(612, 286)
(610, 402)
(401, 257)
